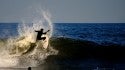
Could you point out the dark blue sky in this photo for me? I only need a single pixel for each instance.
(65, 10)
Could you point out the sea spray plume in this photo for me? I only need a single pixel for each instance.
(47, 17)
(22, 51)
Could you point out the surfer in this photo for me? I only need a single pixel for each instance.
(40, 33)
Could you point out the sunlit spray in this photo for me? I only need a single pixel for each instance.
(24, 50)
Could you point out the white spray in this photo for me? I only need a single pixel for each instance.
(23, 51)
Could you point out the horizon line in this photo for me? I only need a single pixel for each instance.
(72, 22)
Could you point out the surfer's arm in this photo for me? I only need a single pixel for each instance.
(36, 31)
(46, 32)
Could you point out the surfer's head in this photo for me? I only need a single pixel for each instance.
(41, 29)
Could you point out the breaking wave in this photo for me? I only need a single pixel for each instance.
(23, 50)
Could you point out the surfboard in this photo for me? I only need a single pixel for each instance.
(45, 42)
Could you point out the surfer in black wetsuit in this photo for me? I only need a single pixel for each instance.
(40, 33)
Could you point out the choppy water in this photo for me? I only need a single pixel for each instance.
(100, 33)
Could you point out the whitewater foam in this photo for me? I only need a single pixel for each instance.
(23, 50)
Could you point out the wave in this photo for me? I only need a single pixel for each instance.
(23, 50)
(23, 53)
(70, 53)
(81, 49)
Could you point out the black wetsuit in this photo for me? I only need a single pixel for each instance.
(40, 33)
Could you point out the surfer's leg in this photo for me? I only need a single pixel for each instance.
(43, 38)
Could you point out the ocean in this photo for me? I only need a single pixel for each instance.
(97, 32)
(100, 33)
(75, 42)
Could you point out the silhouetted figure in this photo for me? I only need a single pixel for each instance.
(40, 33)
(29, 68)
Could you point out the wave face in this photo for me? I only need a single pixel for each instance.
(22, 50)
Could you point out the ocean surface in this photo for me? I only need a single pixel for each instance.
(97, 32)
(100, 33)
(8, 30)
